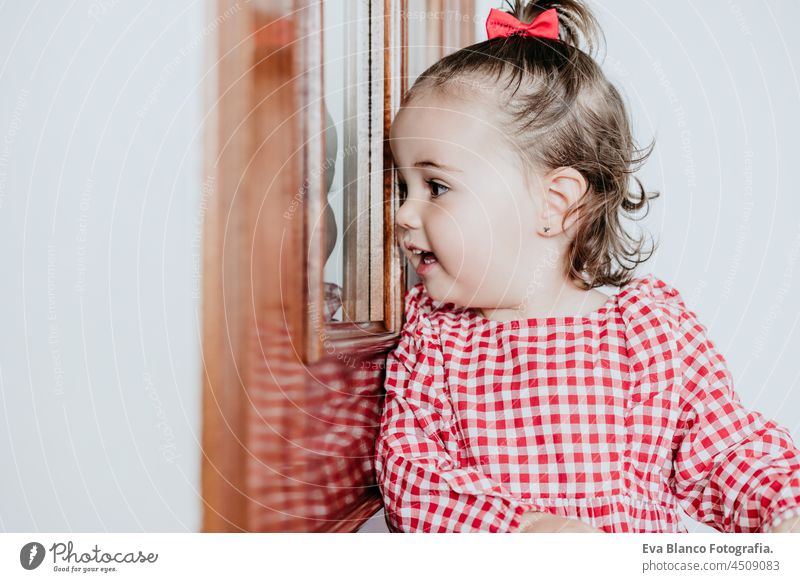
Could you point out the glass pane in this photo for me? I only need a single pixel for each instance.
(346, 211)
(335, 62)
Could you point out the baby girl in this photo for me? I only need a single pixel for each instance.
(521, 398)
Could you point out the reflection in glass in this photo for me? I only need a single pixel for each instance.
(334, 69)
(332, 277)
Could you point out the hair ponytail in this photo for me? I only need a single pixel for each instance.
(576, 23)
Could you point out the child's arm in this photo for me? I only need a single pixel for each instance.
(733, 469)
(423, 486)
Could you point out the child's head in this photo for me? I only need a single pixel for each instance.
(538, 152)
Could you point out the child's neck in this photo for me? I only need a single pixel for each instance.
(566, 301)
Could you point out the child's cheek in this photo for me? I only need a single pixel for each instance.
(460, 234)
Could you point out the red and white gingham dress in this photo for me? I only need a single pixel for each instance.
(612, 418)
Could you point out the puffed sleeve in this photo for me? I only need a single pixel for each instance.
(733, 469)
(423, 485)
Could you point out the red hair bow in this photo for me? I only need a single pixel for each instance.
(501, 24)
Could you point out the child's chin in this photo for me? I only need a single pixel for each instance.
(440, 295)
(433, 292)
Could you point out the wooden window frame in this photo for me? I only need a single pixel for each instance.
(384, 67)
(245, 272)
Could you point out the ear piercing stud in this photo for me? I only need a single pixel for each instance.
(547, 228)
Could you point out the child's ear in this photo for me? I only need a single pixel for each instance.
(563, 188)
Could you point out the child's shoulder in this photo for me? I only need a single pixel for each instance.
(647, 296)
(655, 313)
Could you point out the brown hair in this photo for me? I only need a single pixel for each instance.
(562, 111)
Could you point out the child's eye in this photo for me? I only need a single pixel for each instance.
(435, 185)
(401, 188)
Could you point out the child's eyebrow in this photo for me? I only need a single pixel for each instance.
(437, 165)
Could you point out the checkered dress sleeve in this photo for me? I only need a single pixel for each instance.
(733, 469)
(424, 486)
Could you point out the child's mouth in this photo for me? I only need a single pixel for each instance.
(428, 258)
(427, 262)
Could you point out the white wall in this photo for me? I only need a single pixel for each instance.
(100, 188)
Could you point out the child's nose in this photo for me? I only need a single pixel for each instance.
(408, 216)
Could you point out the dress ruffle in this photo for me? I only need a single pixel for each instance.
(622, 513)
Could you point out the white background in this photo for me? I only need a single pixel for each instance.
(100, 197)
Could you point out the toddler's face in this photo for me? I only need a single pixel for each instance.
(473, 212)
